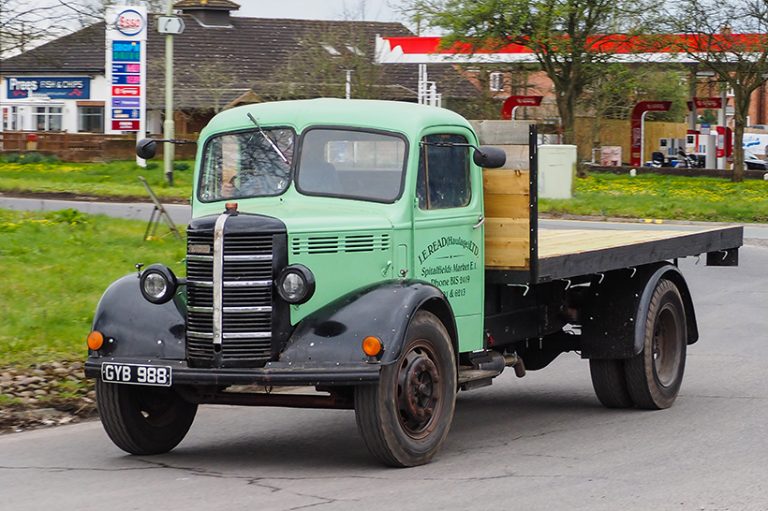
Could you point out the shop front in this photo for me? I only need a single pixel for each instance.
(73, 104)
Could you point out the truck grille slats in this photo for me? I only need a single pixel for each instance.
(338, 244)
(247, 276)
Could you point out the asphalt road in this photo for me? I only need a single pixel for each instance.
(179, 213)
(541, 442)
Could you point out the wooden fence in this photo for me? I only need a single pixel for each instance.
(80, 146)
(613, 132)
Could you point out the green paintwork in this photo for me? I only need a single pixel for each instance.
(449, 252)
(408, 230)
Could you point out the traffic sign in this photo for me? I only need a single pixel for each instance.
(170, 25)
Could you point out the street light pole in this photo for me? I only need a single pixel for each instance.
(168, 125)
(348, 85)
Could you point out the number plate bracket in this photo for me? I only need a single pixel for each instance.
(137, 374)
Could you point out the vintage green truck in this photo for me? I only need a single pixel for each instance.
(373, 253)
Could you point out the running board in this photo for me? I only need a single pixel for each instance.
(471, 378)
(487, 365)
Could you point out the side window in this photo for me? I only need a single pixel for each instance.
(443, 180)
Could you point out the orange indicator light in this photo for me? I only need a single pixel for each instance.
(95, 340)
(372, 346)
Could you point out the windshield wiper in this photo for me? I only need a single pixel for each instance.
(266, 137)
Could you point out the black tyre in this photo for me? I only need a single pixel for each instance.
(405, 418)
(143, 420)
(610, 383)
(654, 376)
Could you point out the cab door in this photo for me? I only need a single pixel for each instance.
(448, 227)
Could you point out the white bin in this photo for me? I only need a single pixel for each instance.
(557, 168)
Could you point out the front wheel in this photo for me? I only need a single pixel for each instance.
(143, 420)
(654, 376)
(405, 418)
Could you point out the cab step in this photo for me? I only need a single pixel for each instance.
(486, 365)
(471, 378)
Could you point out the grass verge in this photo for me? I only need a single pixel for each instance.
(114, 179)
(54, 268)
(668, 197)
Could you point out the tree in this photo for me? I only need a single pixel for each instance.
(23, 27)
(320, 69)
(561, 34)
(739, 62)
(616, 90)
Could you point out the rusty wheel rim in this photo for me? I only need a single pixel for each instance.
(419, 393)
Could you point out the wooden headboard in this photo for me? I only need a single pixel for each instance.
(507, 219)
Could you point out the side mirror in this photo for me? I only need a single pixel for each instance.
(489, 157)
(146, 148)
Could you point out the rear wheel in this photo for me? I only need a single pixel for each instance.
(405, 418)
(143, 420)
(654, 376)
(610, 383)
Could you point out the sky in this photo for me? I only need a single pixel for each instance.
(370, 10)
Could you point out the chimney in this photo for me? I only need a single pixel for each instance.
(208, 13)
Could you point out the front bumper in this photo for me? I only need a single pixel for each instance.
(273, 374)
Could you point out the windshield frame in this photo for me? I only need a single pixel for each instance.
(255, 130)
(335, 127)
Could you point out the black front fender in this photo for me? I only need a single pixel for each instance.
(334, 334)
(133, 327)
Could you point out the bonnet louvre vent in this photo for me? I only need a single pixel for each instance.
(338, 244)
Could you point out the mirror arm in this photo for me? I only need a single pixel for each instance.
(177, 141)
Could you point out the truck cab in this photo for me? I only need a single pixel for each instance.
(341, 245)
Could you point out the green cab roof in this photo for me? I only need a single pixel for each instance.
(406, 118)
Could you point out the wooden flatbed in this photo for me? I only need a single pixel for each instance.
(564, 253)
(567, 253)
(519, 251)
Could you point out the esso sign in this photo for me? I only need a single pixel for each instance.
(129, 22)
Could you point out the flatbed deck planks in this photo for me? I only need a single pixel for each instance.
(566, 253)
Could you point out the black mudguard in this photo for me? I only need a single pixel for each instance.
(613, 325)
(330, 338)
(135, 328)
(334, 334)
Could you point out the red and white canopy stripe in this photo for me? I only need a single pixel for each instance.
(617, 47)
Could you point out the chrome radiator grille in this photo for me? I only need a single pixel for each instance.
(246, 292)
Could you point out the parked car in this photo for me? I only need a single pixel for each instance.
(752, 162)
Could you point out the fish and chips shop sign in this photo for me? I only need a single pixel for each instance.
(50, 87)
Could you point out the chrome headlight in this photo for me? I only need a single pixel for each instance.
(157, 283)
(296, 284)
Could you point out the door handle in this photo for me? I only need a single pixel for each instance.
(480, 221)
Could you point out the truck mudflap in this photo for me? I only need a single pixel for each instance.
(614, 320)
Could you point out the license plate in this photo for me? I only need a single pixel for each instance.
(136, 374)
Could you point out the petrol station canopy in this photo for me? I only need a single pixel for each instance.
(664, 48)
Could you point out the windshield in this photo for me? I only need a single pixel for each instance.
(247, 164)
(353, 164)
